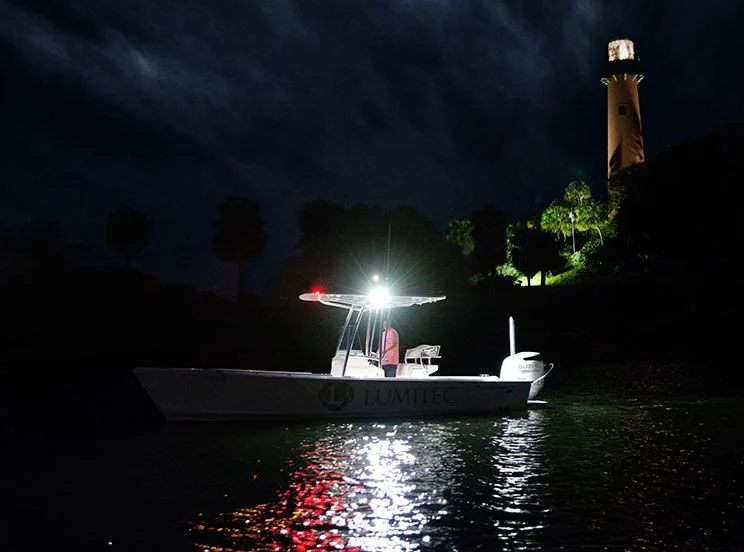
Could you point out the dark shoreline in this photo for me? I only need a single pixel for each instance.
(75, 367)
(123, 322)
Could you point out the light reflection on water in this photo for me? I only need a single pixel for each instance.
(518, 479)
(386, 487)
(584, 474)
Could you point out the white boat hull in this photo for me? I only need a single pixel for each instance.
(191, 394)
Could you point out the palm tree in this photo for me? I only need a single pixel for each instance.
(577, 211)
(556, 219)
(238, 234)
(592, 215)
(127, 233)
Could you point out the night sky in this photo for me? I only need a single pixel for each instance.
(445, 105)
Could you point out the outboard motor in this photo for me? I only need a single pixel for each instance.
(521, 367)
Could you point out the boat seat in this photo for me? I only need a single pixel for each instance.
(415, 370)
(423, 354)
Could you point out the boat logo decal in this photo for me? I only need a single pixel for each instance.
(336, 395)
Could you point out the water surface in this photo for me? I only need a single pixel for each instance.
(590, 472)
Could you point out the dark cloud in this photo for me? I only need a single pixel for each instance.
(444, 105)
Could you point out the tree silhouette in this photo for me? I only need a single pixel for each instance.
(238, 234)
(6, 254)
(460, 233)
(127, 233)
(489, 240)
(322, 229)
(679, 206)
(38, 249)
(342, 247)
(419, 253)
(533, 251)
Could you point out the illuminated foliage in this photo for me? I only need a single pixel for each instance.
(556, 219)
(576, 193)
(589, 214)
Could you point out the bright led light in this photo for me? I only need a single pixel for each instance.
(378, 297)
(620, 49)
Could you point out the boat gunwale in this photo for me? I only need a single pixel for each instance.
(311, 375)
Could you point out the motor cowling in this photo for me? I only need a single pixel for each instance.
(523, 366)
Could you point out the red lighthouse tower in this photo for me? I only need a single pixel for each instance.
(624, 134)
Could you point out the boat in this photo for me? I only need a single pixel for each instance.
(356, 385)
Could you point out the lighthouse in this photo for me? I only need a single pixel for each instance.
(624, 136)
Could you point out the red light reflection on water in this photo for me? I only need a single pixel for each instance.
(306, 516)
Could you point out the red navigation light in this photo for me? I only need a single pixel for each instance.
(317, 291)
